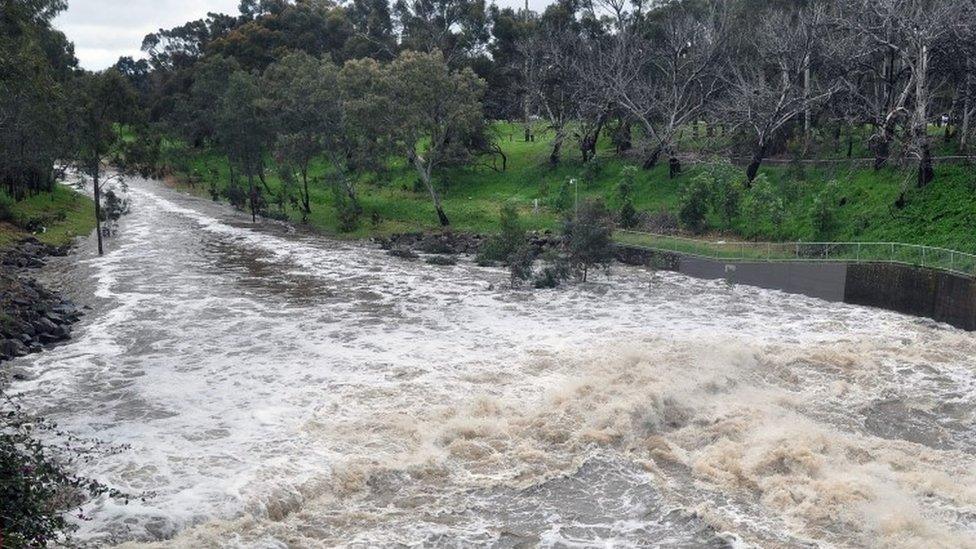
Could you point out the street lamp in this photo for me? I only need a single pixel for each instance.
(575, 183)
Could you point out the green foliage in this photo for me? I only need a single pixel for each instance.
(113, 206)
(554, 272)
(511, 235)
(765, 207)
(564, 199)
(589, 238)
(823, 215)
(6, 207)
(38, 486)
(442, 260)
(347, 210)
(592, 171)
(694, 201)
(520, 263)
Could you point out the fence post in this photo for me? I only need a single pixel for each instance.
(858, 252)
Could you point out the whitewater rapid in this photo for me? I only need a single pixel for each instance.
(281, 389)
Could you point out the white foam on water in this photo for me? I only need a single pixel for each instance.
(282, 390)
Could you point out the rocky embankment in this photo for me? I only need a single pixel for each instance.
(31, 317)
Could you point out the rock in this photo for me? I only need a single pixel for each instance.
(11, 348)
(45, 326)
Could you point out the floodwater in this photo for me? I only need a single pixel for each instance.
(281, 389)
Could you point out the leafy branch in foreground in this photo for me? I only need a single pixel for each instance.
(39, 485)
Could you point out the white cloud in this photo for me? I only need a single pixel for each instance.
(104, 30)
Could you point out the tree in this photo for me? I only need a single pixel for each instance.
(550, 78)
(102, 101)
(305, 103)
(36, 64)
(458, 29)
(243, 131)
(768, 94)
(899, 37)
(589, 238)
(664, 70)
(436, 111)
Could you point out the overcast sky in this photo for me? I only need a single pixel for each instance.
(104, 30)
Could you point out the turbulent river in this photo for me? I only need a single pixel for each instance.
(281, 389)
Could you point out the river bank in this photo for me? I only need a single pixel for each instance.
(32, 317)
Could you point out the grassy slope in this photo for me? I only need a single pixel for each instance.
(943, 214)
(65, 213)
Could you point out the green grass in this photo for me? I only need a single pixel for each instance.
(943, 214)
(65, 213)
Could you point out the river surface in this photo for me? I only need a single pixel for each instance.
(281, 389)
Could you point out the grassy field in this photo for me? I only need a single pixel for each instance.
(64, 213)
(943, 214)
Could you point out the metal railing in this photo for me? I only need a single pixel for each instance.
(930, 257)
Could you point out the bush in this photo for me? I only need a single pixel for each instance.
(823, 217)
(6, 207)
(443, 260)
(511, 235)
(693, 203)
(556, 270)
(347, 210)
(520, 264)
(588, 238)
(37, 486)
(629, 218)
(591, 172)
(765, 206)
(564, 199)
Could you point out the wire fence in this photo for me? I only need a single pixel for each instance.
(930, 257)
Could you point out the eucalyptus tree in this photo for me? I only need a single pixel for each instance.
(305, 109)
(100, 103)
(551, 77)
(458, 29)
(423, 109)
(664, 68)
(436, 111)
(899, 37)
(36, 65)
(243, 131)
(769, 85)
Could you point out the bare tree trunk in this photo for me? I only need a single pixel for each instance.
(757, 158)
(651, 161)
(425, 176)
(967, 111)
(920, 128)
(557, 146)
(306, 200)
(252, 191)
(96, 184)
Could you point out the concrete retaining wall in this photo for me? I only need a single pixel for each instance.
(911, 290)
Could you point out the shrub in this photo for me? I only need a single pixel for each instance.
(555, 271)
(823, 216)
(347, 211)
(629, 218)
(563, 200)
(37, 485)
(588, 238)
(520, 264)
(511, 235)
(693, 203)
(6, 207)
(764, 205)
(443, 260)
(591, 172)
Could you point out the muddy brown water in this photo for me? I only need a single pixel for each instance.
(281, 389)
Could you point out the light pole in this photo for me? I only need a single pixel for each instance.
(575, 183)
